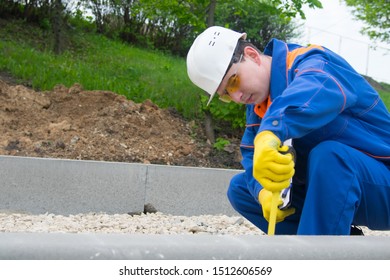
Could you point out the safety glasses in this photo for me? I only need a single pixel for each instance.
(232, 85)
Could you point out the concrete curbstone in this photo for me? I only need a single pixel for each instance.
(61, 186)
(60, 246)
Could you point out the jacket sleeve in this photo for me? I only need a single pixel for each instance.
(313, 99)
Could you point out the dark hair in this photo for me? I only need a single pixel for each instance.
(238, 51)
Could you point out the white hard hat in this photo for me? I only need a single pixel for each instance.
(210, 56)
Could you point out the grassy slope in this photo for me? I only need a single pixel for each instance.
(102, 64)
(98, 64)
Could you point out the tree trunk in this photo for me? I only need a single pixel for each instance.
(211, 12)
(57, 16)
(209, 126)
(208, 118)
(126, 15)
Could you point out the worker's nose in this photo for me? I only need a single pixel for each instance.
(237, 96)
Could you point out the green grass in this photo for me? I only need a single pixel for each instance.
(384, 92)
(98, 63)
(385, 95)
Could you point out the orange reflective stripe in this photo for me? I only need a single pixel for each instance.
(247, 146)
(291, 56)
(251, 125)
(260, 109)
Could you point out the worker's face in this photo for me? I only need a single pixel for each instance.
(247, 81)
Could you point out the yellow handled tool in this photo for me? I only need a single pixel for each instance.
(272, 215)
(275, 200)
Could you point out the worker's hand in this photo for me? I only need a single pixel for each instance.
(271, 168)
(265, 199)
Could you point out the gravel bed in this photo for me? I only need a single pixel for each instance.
(150, 223)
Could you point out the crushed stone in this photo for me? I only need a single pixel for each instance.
(145, 223)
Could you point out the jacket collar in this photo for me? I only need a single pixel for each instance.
(278, 51)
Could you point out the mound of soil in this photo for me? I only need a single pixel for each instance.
(73, 123)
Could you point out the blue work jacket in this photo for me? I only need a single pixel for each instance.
(315, 96)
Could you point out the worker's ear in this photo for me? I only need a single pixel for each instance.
(253, 54)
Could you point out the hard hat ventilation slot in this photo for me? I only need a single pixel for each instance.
(212, 42)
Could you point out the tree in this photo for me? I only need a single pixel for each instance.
(290, 8)
(260, 21)
(58, 10)
(376, 15)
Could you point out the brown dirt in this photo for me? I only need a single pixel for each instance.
(73, 123)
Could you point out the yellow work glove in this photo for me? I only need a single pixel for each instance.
(271, 168)
(265, 199)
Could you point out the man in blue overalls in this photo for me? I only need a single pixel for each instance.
(339, 127)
